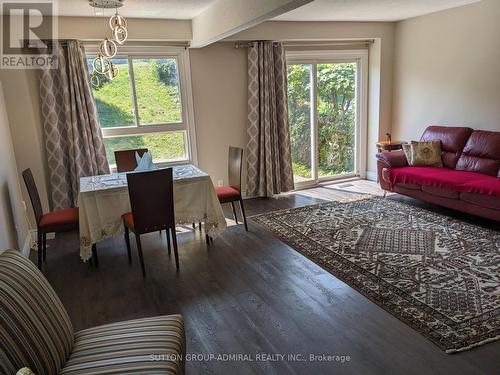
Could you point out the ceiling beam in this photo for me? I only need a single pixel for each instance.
(227, 17)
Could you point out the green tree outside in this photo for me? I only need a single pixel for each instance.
(336, 104)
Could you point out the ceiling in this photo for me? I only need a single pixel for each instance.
(173, 9)
(368, 10)
(317, 10)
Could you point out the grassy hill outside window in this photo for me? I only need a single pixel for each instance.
(148, 104)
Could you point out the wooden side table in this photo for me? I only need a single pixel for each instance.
(389, 146)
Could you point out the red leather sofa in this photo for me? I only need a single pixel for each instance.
(469, 180)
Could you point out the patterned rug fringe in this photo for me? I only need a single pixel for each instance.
(475, 345)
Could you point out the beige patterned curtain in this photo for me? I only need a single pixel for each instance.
(73, 138)
(269, 161)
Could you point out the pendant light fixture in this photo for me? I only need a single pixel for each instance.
(108, 48)
(119, 27)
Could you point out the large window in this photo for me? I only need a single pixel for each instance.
(147, 104)
(326, 114)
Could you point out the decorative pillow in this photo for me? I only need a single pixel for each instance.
(407, 151)
(426, 153)
(145, 163)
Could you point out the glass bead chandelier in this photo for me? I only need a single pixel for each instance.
(102, 66)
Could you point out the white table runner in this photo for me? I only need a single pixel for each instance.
(104, 199)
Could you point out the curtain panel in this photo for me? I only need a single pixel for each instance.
(269, 160)
(73, 138)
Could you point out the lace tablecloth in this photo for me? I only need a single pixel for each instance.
(104, 199)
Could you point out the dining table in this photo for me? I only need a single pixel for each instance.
(103, 199)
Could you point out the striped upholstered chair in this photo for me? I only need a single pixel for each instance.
(35, 332)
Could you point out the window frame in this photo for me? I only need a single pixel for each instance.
(315, 57)
(187, 123)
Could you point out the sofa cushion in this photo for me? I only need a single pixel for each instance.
(453, 140)
(461, 181)
(142, 346)
(35, 329)
(481, 153)
(486, 201)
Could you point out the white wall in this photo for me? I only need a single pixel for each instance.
(219, 79)
(13, 226)
(447, 70)
(22, 100)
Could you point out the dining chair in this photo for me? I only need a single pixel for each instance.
(232, 193)
(125, 159)
(152, 202)
(58, 221)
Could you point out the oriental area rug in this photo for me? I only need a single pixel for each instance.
(439, 275)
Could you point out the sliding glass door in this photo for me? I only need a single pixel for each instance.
(325, 115)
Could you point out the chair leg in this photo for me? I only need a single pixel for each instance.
(141, 258)
(234, 213)
(168, 240)
(199, 225)
(207, 239)
(243, 213)
(127, 241)
(40, 249)
(44, 246)
(174, 241)
(94, 255)
(194, 226)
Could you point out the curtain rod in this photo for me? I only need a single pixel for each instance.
(311, 43)
(86, 42)
(249, 44)
(143, 43)
(330, 43)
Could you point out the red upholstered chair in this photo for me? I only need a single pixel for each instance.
(125, 159)
(152, 201)
(232, 192)
(65, 220)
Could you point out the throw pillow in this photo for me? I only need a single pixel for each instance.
(407, 151)
(426, 153)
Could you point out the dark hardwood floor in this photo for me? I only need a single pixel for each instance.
(250, 293)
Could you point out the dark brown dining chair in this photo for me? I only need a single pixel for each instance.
(232, 193)
(64, 220)
(152, 202)
(125, 159)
